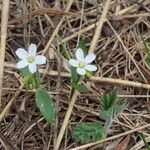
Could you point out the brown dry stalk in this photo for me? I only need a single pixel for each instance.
(42, 11)
(7, 143)
(8, 106)
(99, 27)
(111, 138)
(66, 120)
(4, 21)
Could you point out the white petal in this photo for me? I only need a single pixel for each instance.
(21, 53)
(39, 59)
(91, 67)
(79, 54)
(32, 68)
(22, 64)
(89, 58)
(32, 49)
(73, 63)
(81, 71)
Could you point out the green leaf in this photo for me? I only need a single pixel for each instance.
(79, 87)
(37, 79)
(144, 140)
(82, 45)
(25, 71)
(45, 104)
(74, 76)
(107, 100)
(112, 112)
(88, 132)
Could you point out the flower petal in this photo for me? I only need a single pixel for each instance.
(81, 71)
(91, 67)
(32, 49)
(32, 67)
(79, 54)
(89, 58)
(73, 63)
(39, 59)
(22, 64)
(21, 53)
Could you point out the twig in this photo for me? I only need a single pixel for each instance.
(99, 27)
(110, 138)
(7, 107)
(66, 120)
(4, 20)
(42, 11)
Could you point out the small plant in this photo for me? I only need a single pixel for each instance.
(111, 108)
(28, 65)
(85, 132)
(81, 67)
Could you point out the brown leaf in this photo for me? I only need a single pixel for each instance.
(123, 145)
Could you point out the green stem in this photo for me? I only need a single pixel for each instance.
(65, 51)
(107, 126)
(145, 142)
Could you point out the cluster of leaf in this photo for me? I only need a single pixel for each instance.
(110, 106)
(43, 99)
(85, 132)
(91, 132)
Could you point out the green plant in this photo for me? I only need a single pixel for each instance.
(111, 108)
(88, 132)
(31, 79)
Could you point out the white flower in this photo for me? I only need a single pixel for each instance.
(83, 63)
(29, 58)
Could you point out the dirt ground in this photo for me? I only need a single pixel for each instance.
(119, 53)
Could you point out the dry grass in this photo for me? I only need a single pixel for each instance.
(120, 59)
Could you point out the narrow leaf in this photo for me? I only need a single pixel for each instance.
(45, 104)
(74, 76)
(123, 145)
(144, 140)
(64, 48)
(82, 45)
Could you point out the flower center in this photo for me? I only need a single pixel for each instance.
(30, 59)
(82, 64)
